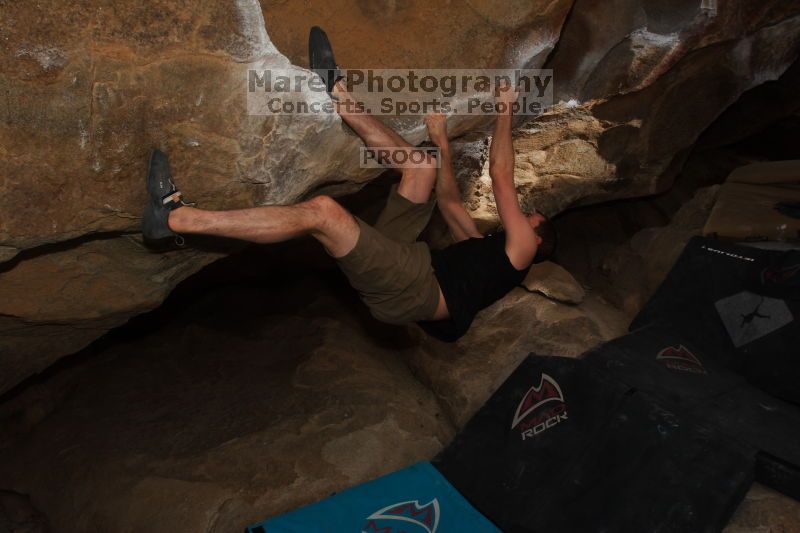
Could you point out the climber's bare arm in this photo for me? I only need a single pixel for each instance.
(461, 224)
(521, 243)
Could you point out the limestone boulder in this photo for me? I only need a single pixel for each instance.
(636, 83)
(636, 269)
(465, 373)
(765, 510)
(91, 86)
(214, 423)
(56, 303)
(18, 514)
(557, 164)
(554, 281)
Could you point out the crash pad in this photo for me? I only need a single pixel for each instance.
(562, 446)
(663, 362)
(740, 305)
(747, 203)
(413, 500)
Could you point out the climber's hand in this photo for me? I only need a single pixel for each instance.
(506, 95)
(437, 128)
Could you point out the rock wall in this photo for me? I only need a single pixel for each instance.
(89, 86)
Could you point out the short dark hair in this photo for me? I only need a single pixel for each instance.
(547, 232)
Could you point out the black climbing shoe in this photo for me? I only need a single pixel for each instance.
(320, 58)
(163, 197)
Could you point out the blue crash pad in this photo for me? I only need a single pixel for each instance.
(414, 500)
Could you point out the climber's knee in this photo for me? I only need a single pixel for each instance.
(334, 226)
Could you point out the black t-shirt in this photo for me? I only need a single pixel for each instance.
(473, 274)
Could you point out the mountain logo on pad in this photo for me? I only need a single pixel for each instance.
(680, 358)
(541, 408)
(779, 275)
(404, 517)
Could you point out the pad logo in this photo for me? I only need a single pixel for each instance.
(728, 254)
(748, 316)
(752, 315)
(680, 358)
(541, 408)
(404, 517)
(777, 276)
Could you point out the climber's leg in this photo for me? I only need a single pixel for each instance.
(375, 133)
(418, 181)
(321, 217)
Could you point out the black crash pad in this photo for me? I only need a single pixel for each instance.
(561, 446)
(740, 305)
(660, 360)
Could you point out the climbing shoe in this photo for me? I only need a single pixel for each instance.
(320, 58)
(163, 197)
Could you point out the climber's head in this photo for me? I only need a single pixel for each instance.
(546, 237)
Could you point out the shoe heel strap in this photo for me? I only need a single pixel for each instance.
(172, 200)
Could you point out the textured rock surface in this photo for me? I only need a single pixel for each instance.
(624, 250)
(18, 515)
(420, 34)
(557, 164)
(555, 282)
(218, 421)
(765, 511)
(56, 303)
(465, 373)
(106, 84)
(635, 270)
(90, 86)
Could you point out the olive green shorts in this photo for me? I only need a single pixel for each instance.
(391, 271)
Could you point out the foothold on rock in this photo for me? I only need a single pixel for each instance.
(555, 282)
(7, 253)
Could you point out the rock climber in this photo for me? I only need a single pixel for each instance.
(399, 279)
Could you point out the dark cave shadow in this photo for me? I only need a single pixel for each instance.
(269, 278)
